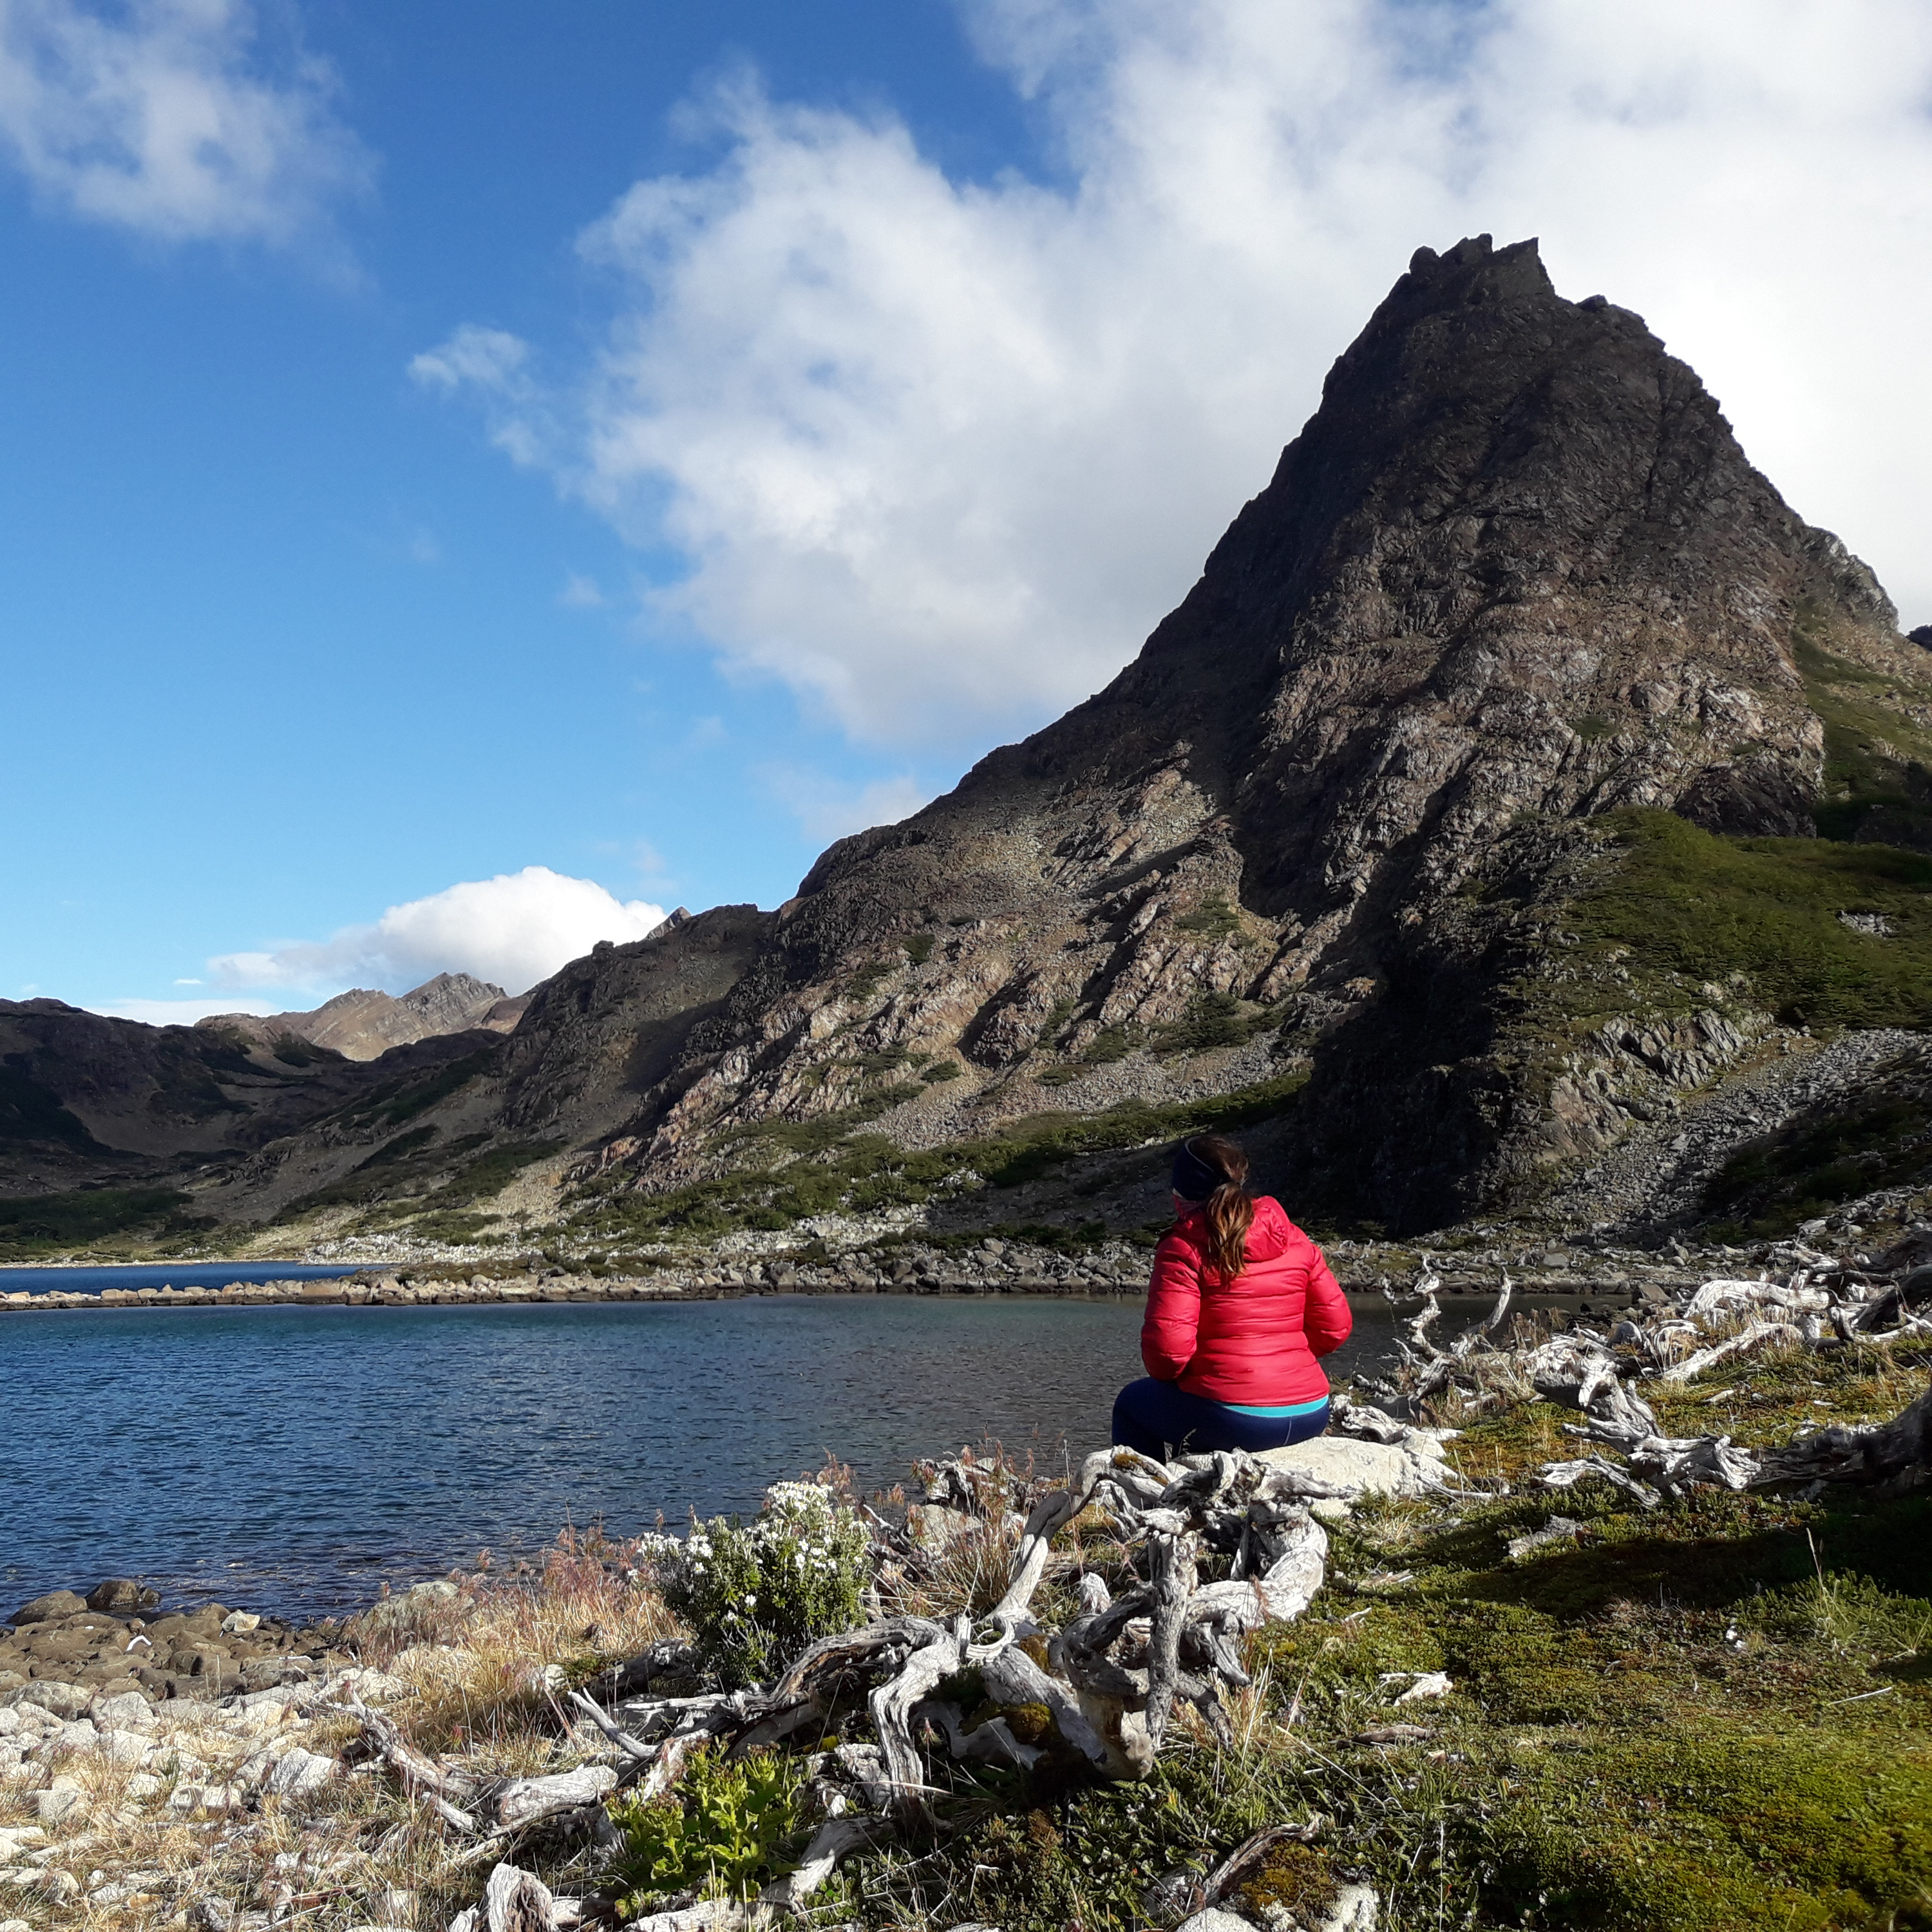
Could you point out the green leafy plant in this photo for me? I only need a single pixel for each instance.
(1214, 918)
(725, 1832)
(755, 1594)
(867, 981)
(919, 948)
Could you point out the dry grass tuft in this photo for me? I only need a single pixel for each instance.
(356, 1852)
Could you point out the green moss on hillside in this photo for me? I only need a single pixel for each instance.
(1876, 780)
(1687, 903)
(42, 1224)
(412, 1176)
(833, 1167)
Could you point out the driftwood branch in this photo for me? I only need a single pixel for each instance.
(445, 1792)
(1109, 1681)
(1896, 1453)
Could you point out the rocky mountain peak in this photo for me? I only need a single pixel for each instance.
(1314, 847)
(363, 1024)
(1515, 566)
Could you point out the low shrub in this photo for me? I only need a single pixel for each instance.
(867, 981)
(756, 1593)
(33, 1222)
(1213, 918)
(727, 1830)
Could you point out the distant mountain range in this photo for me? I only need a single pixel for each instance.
(1523, 792)
(361, 1024)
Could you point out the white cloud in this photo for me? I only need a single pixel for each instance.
(581, 593)
(941, 453)
(826, 810)
(178, 1012)
(162, 116)
(485, 359)
(514, 930)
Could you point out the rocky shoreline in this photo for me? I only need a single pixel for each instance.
(1605, 1280)
(1444, 1593)
(69, 1652)
(190, 1719)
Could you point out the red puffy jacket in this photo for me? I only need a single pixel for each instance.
(1252, 1340)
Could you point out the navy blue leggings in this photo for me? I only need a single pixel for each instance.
(1149, 1414)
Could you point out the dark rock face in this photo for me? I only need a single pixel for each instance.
(1515, 566)
(1515, 574)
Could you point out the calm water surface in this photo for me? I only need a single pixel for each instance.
(159, 1274)
(294, 1459)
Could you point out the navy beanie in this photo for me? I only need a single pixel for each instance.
(1194, 1178)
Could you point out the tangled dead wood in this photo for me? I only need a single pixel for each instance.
(1820, 1303)
(1109, 1680)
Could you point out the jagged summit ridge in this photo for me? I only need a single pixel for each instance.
(363, 1024)
(1516, 564)
(1514, 574)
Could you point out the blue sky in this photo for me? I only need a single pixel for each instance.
(471, 476)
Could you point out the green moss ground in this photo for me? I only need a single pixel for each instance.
(1876, 756)
(1713, 1717)
(790, 1170)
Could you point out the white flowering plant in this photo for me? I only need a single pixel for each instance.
(756, 1593)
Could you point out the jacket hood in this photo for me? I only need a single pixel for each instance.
(1272, 1230)
(1270, 1234)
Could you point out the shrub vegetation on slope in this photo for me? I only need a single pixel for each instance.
(1685, 901)
(792, 1169)
(41, 1224)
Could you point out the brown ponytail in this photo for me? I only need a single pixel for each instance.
(1230, 1211)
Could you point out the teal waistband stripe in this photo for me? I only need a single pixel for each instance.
(1293, 1408)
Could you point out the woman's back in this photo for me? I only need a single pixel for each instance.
(1252, 1340)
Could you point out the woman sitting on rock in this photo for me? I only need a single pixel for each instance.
(1241, 1305)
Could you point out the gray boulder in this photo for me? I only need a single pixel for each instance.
(55, 1603)
(64, 1701)
(1339, 1466)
